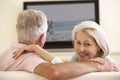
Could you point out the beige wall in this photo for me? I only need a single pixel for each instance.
(109, 20)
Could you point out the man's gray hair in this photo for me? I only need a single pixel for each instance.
(95, 31)
(30, 25)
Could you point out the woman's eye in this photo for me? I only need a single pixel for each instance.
(87, 44)
(78, 43)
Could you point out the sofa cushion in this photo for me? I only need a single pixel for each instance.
(22, 75)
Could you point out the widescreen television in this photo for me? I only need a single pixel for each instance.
(62, 17)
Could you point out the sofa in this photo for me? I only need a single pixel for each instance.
(22, 75)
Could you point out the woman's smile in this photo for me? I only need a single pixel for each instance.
(82, 54)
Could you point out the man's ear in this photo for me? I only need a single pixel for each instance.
(41, 40)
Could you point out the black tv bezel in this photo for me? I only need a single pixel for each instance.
(63, 44)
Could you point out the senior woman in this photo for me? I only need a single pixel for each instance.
(89, 43)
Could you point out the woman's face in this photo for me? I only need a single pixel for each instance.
(85, 46)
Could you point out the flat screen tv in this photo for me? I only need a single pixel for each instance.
(62, 17)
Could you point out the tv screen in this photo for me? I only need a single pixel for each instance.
(62, 17)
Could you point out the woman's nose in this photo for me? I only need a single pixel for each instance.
(81, 48)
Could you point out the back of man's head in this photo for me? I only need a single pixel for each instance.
(30, 25)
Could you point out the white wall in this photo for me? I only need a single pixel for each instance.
(109, 20)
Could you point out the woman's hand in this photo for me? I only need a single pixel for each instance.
(28, 48)
(34, 48)
(111, 67)
(98, 59)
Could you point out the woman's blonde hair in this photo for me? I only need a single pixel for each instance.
(94, 30)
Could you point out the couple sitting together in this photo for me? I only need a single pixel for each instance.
(90, 45)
